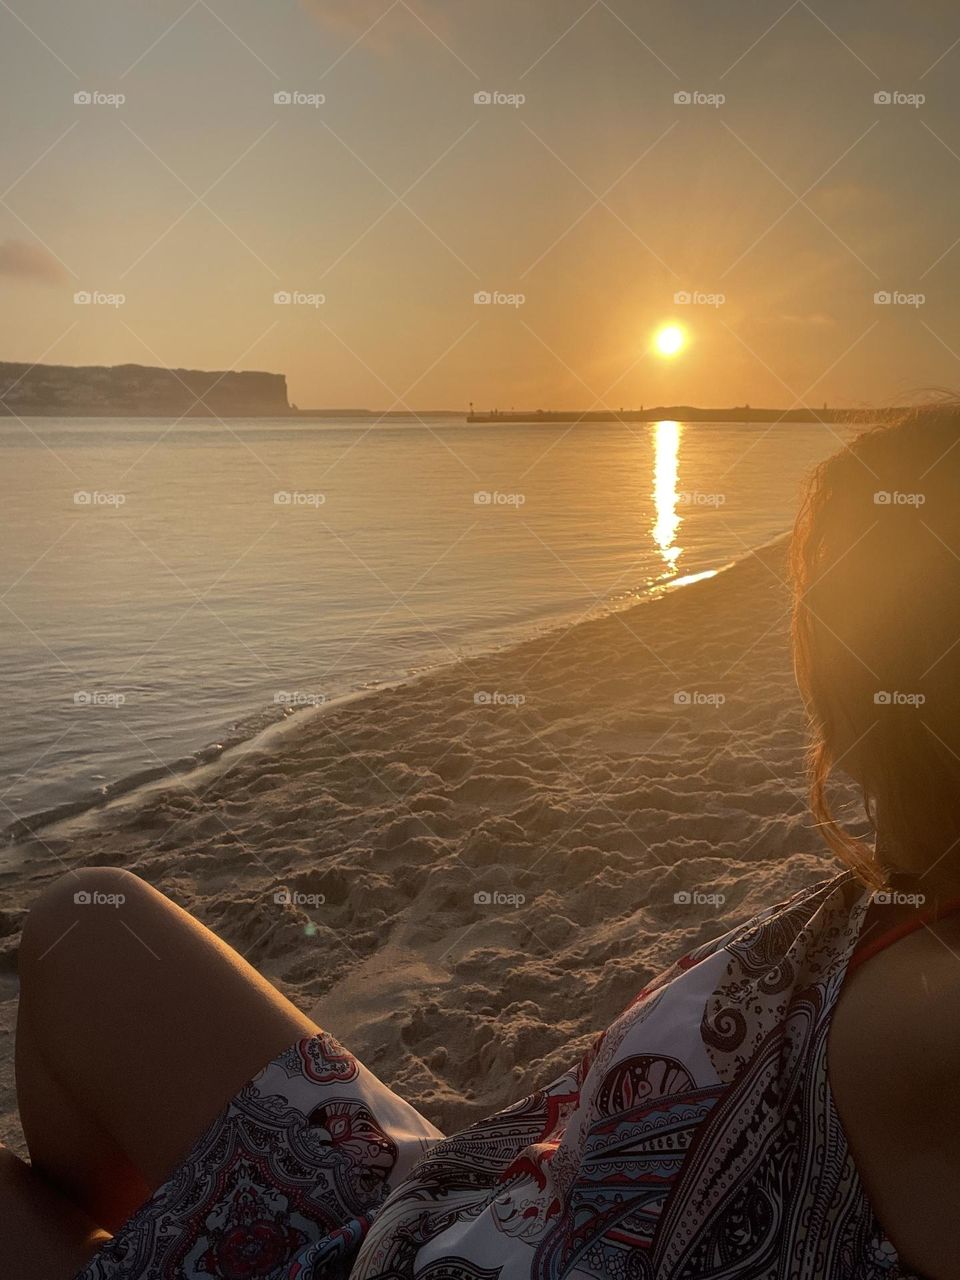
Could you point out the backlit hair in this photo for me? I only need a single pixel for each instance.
(875, 561)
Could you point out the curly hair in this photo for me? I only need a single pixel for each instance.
(875, 561)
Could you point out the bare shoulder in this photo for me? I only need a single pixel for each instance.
(903, 1008)
(894, 1067)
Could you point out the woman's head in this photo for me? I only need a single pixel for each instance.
(876, 628)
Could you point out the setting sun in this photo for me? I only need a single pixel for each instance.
(669, 340)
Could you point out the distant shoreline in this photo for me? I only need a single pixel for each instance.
(199, 415)
(679, 413)
(146, 391)
(690, 413)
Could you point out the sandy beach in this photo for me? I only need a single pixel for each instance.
(481, 867)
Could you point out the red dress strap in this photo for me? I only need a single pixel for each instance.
(867, 950)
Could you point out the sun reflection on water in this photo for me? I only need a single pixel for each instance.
(666, 453)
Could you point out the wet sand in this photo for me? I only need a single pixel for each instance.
(483, 866)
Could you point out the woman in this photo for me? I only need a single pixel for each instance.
(703, 1135)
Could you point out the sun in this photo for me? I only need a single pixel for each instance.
(669, 340)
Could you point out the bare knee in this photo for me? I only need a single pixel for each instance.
(79, 909)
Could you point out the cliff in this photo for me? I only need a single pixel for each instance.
(133, 390)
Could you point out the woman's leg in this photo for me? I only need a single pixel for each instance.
(69, 1145)
(42, 1236)
(137, 1025)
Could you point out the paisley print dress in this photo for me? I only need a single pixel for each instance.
(697, 1140)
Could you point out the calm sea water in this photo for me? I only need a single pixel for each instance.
(166, 588)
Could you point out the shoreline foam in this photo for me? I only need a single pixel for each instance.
(596, 800)
(239, 736)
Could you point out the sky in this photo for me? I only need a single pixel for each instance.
(633, 156)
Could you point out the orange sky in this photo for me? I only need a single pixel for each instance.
(782, 197)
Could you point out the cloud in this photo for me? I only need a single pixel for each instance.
(29, 262)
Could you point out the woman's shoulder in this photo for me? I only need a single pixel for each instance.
(902, 1008)
(894, 1065)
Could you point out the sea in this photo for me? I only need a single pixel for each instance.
(170, 589)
